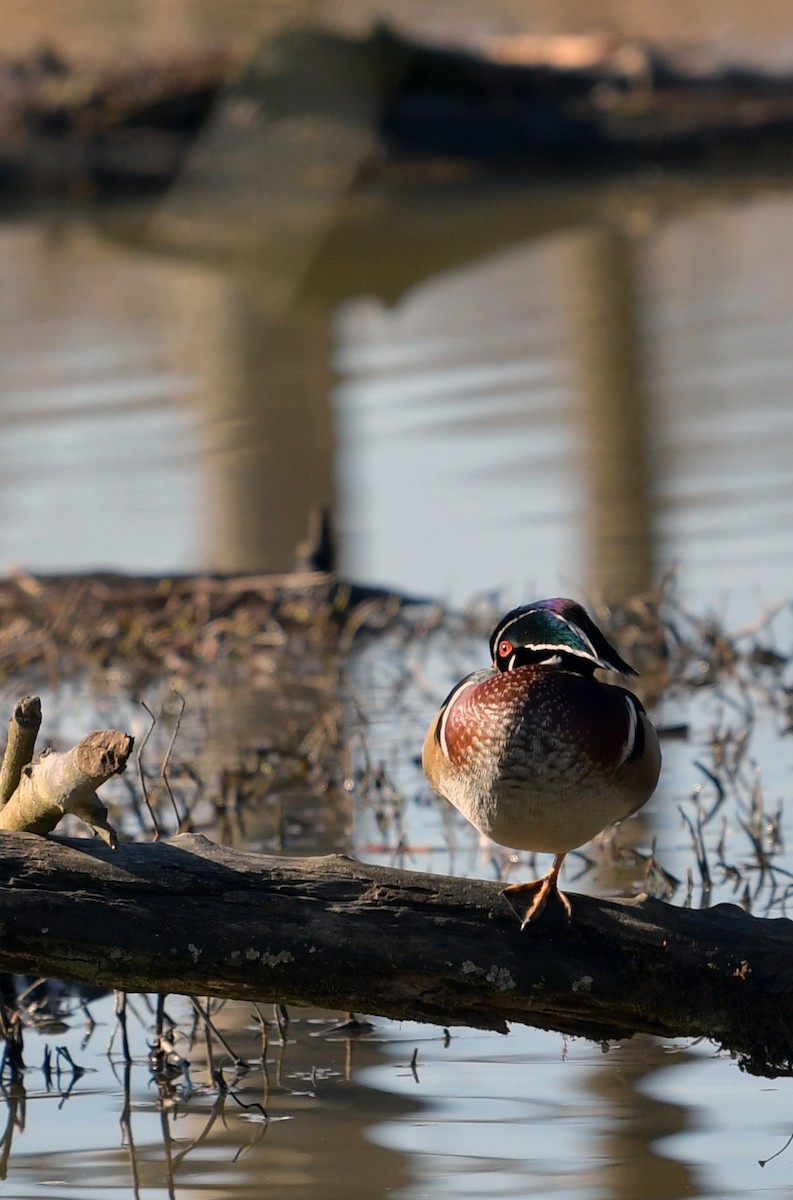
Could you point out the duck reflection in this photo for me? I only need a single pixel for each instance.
(632, 1166)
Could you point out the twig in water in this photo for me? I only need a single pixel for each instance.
(762, 1162)
(719, 786)
(77, 1071)
(699, 849)
(763, 861)
(120, 1008)
(225, 1090)
(46, 1068)
(265, 1032)
(282, 1020)
(204, 1015)
(63, 1052)
(125, 1121)
(655, 872)
(13, 1043)
(15, 1098)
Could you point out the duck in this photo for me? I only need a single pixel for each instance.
(536, 751)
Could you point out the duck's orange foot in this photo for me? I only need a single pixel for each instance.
(529, 900)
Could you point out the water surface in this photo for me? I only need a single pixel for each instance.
(487, 429)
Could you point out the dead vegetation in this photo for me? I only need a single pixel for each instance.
(56, 626)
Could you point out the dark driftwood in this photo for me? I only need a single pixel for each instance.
(192, 916)
(129, 126)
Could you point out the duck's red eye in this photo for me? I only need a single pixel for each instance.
(504, 649)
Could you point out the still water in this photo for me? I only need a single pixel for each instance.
(505, 389)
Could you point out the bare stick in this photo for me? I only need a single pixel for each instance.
(762, 1162)
(22, 733)
(120, 1007)
(181, 823)
(141, 776)
(699, 850)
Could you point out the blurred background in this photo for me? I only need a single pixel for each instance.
(506, 354)
(507, 290)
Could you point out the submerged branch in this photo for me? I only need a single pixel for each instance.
(190, 916)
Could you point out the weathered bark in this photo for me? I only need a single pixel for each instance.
(192, 916)
(66, 783)
(23, 730)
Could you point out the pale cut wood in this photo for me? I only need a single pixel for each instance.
(191, 916)
(60, 783)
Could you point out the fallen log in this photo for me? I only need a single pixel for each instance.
(191, 916)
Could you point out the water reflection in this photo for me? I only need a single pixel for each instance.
(633, 1162)
(276, 201)
(118, 1127)
(528, 396)
(476, 1114)
(616, 444)
(272, 436)
(528, 425)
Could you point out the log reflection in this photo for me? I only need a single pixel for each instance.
(275, 197)
(286, 196)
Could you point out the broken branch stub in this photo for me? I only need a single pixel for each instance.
(61, 783)
(22, 733)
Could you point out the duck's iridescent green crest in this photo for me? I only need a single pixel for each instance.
(555, 632)
(535, 751)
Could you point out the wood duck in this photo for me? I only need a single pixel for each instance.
(535, 751)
